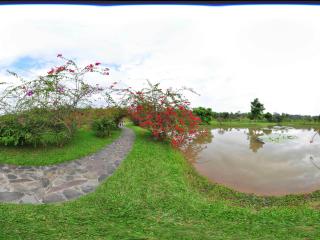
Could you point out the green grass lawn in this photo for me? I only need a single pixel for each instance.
(156, 194)
(84, 143)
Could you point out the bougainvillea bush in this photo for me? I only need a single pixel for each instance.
(166, 113)
(54, 97)
(64, 86)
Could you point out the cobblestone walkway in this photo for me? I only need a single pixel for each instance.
(62, 182)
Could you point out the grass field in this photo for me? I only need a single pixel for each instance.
(84, 143)
(156, 194)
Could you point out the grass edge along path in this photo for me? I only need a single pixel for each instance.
(83, 144)
(155, 194)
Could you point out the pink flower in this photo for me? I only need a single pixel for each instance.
(89, 67)
(97, 63)
(51, 71)
(60, 89)
(59, 69)
(30, 93)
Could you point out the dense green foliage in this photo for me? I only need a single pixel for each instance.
(268, 116)
(155, 194)
(102, 127)
(272, 118)
(205, 114)
(37, 127)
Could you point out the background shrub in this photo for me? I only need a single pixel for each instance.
(35, 127)
(86, 116)
(102, 127)
(205, 114)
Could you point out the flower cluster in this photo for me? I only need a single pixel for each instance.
(165, 113)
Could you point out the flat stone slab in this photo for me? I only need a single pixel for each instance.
(65, 181)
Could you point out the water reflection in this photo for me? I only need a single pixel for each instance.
(236, 158)
(254, 143)
(191, 151)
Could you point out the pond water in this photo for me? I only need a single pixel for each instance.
(264, 161)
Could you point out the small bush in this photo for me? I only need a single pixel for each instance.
(102, 127)
(36, 128)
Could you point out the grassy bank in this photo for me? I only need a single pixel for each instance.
(83, 144)
(249, 123)
(155, 194)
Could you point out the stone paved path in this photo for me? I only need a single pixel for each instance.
(62, 182)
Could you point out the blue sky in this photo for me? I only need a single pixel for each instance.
(25, 63)
(230, 55)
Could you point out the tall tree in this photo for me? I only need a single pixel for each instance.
(257, 109)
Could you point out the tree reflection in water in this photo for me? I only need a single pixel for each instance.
(311, 158)
(253, 134)
(192, 149)
(317, 133)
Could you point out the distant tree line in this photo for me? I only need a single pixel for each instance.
(256, 113)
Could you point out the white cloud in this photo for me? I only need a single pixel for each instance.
(229, 55)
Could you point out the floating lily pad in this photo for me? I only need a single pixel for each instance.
(276, 138)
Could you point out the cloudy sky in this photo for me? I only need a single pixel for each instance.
(229, 54)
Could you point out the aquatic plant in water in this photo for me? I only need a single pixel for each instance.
(276, 138)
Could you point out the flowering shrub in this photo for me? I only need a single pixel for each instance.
(57, 94)
(165, 112)
(63, 91)
(62, 86)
